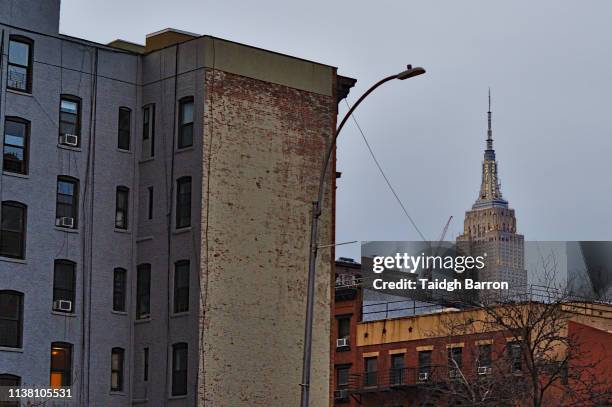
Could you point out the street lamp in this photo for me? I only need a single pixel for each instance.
(317, 206)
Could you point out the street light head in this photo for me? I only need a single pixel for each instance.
(410, 72)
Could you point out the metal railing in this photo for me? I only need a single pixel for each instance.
(397, 377)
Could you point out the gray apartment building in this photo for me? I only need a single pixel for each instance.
(154, 221)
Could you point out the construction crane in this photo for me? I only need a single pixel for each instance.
(445, 229)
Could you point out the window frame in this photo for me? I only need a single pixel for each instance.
(143, 269)
(339, 369)
(26, 144)
(18, 321)
(119, 290)
(21, 233)
(71, 291)
(150, 203)
(343, 321)
(148, 130)
(10, 380)
(119, 370)
(145, 371)
(181, 374)
(123, 191)
(180, 293)
(29, 67)
(79, 116)
(123, 134)
(183, 203)
(66, 373)
(370, 376)
(184, 125)
(75, 199)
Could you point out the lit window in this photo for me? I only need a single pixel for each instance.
(61, 364)
(11, 319)
(19, 76)
(16, 134)
(12, 230)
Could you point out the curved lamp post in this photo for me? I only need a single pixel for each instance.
(317, 206)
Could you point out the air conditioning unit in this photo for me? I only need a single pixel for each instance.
(340, 395)
(342, 342)
(71, 140)
(484, 370)
(64, 222)
(423, 376)
(62, 305)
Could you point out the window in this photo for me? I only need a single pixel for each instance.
(11, 318)
(122, 208)
(397, 368)
(150, 207)
(342, 376)
(143, 291)
(63, 285)
(19, 73)
(117, 369)
(370, 371)
(514, 355)
(148, 131)
(123, 133)
(344, 327)
(70, 121)
(61, 364)
(179, 369)
(183, 202)
(67, 202)
(181, 286)
(9, 380)
(454, 360)
(119, 289)
(424, 363)
(146, 365)
(12, 230)
(185, 136)
(16, 135)
(484, 355)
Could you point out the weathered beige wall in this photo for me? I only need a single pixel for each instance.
(263, 152)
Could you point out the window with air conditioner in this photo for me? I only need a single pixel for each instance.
(64, 285)
(70, 121)
(424, 365)
(67, 202)
(16, 137)
(454, 361)
(19, 69)
(344, 331)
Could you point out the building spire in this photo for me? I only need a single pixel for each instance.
(490, 192)
(489, 131)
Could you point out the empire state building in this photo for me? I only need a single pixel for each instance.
(490, 227)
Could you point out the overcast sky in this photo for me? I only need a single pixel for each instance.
(548, 63)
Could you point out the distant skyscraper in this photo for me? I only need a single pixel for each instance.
(490, 227)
